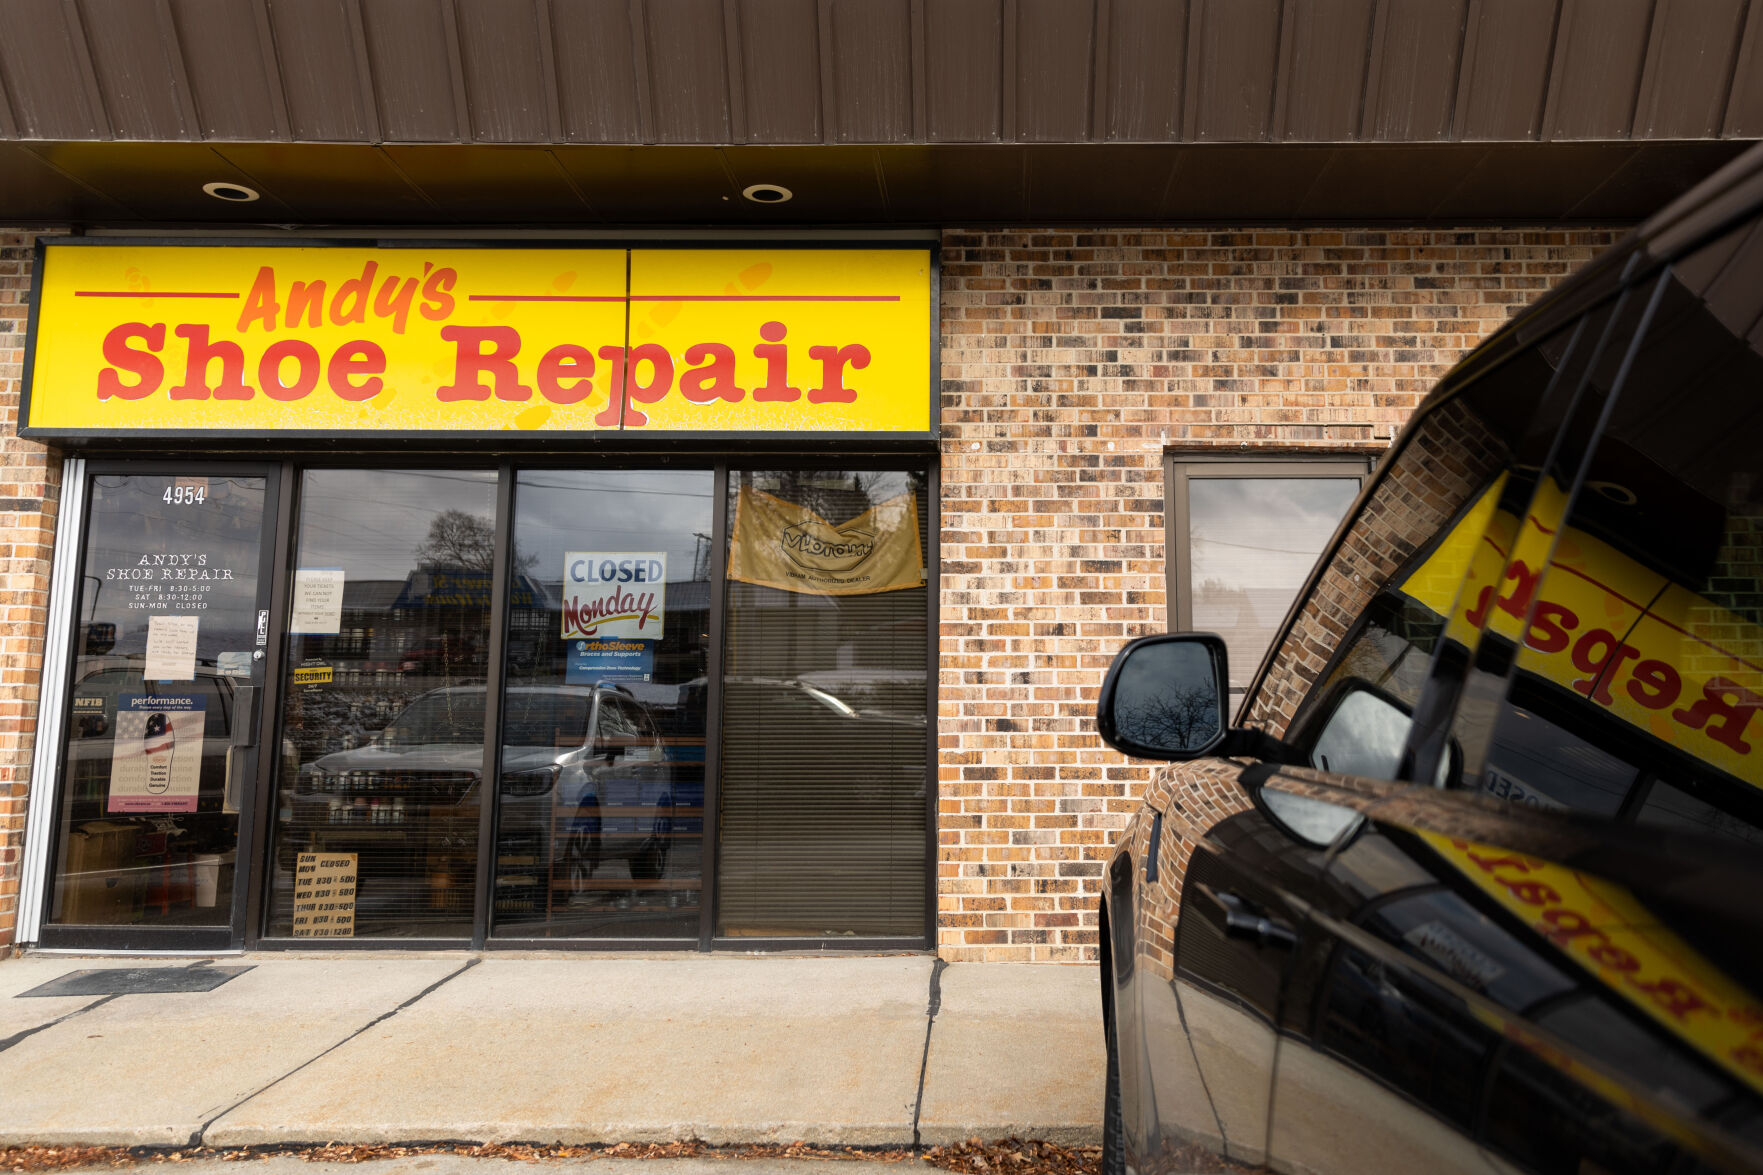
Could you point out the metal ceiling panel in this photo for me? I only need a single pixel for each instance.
(1142, 86)
(473, 186)
(1233, 53)
(1117, 184)
(319, 179)
(504, 70)
(955, 185)
(163, 181)
(964, 78)
(45, 87)
(1596, 74)
(1411, 89)
(597, 81)
(866, 71)
(1055, 56)
(418, 88)
(687, 76)
(1508, 176)
(144, 184)
(133, 57)
(28, 182)
(1689, 70)
(652, 185)
(1504, 76)
(1387, 180)
(233, 80)
(780, 80)
(827, 187)
(1320, 102)
(1235, 183)
(320, 60)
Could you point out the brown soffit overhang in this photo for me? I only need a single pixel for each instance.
(797, 72)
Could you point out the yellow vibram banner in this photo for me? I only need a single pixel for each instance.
(782, 545)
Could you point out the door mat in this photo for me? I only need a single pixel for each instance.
(136, 981)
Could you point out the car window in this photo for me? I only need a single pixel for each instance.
(612, 724)
(1634, 651)
(545, 718)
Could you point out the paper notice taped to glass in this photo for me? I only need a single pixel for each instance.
(171, 648)
(318, 600)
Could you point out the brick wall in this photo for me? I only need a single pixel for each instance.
(1072, 362)
(28, 495)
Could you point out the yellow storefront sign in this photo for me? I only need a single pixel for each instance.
(782, 545)
(191, 340)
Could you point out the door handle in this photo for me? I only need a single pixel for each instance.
(1243, 919)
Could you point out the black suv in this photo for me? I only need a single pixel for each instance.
(1476, 882)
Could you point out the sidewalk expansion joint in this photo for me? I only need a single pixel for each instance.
(197, 1137)
(7, 1042)
(930, 1020)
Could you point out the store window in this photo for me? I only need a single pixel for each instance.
(1243, 535)
(824, 705)
(600, 831)
(382, 733)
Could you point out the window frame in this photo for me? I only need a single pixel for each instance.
(1181, 468)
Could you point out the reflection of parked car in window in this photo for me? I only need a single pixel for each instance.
(583, 774)
(1471, 884)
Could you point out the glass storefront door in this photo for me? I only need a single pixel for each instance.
(159, 764)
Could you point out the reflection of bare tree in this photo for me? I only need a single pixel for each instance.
(1179, 717)
(458, 539)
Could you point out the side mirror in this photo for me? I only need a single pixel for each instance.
(1165, 697)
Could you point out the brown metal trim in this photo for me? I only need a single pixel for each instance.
(456, 73)
(82, 51)
(272, 68)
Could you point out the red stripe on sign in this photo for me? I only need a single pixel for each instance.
(765, 297)
(146, 294)
(544, 297)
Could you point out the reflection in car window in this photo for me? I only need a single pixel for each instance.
(445, 717)
(1644, 628)
(1535, 762)
(545, 718)
(1450, 935)
(1673, 807)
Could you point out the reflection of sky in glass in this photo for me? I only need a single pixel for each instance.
(559, 510)
(1252, 542)
(372, 522)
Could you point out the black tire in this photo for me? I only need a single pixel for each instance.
(1113, 1119)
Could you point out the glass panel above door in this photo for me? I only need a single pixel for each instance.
(382, 736)
(167, 655)
(600, 827)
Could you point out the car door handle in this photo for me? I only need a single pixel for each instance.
(1243, 919)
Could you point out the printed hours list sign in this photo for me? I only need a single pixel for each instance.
(324, 895)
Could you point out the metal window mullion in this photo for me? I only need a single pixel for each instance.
(490, 787)
(52, 700)
(711, 821)
(260, 864)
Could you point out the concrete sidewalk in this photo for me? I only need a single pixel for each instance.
(572, 1048)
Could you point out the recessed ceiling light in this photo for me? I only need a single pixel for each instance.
(767, 193)
(231, 193)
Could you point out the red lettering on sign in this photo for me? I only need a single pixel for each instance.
(202, 354)
(143, 365)
(776, 354)
(832, 389)
(1654, 684)
(471, 362)
(565, 374)
(1603, 666)
(354, 359)
(306, 369)
(712, 374)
